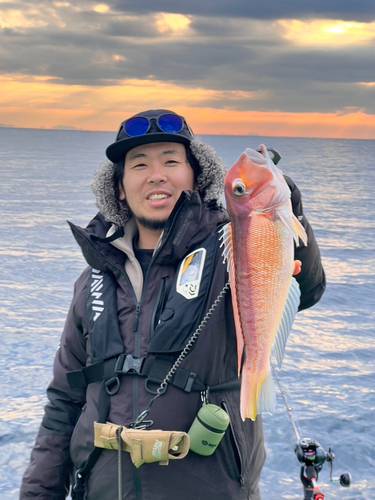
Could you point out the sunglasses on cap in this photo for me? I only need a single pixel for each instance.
(140, 125)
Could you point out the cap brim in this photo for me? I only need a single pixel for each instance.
(117, 151)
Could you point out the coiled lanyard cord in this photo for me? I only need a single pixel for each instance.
(164, 385)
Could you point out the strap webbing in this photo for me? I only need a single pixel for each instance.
(154, 369)
(104, 405)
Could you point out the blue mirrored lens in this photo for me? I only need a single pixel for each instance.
(170, 124)
(137, 126)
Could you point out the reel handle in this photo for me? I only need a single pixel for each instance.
(345, 479)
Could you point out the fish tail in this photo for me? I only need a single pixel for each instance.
(257, 395)
(249, 394)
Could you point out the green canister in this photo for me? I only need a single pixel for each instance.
(208, 429)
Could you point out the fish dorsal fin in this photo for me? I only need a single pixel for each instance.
(286, 323)
(294, 226)
(227, 244)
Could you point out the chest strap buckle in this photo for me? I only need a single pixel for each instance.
(127, 364)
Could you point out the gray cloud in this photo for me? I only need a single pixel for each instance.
(221, 52)
(360, 10)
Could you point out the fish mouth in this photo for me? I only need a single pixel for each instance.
(257, 157)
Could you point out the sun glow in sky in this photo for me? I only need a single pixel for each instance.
(327, 32)
(101, 8)
(90, 65)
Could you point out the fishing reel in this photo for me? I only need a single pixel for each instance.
(311, 454)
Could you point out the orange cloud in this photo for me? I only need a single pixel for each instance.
(172, 23)
(356, 125)
(30, 17)
(35, 102)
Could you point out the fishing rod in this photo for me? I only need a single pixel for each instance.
(311, 455)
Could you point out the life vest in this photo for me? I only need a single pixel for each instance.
(181, 313)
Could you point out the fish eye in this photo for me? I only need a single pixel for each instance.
(238, 187)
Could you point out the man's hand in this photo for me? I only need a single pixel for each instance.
(297, 267)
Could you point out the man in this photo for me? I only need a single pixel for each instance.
(155, 269)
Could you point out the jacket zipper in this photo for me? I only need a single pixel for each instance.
(241, 479)
(137, 314)
(159, 304)
(137, 353)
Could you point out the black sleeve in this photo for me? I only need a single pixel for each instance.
(48, 474)
(312, 280)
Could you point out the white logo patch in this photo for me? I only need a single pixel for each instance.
(96, 286)
(157, 449)
(190, 274)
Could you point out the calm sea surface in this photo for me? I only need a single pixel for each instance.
(329, 367)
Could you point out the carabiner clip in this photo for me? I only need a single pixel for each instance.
(140, 423)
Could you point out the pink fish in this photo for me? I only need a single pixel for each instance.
(258, 245)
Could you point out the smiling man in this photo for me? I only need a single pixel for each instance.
(155, 175)
(155, 268)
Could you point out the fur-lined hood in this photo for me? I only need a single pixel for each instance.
(210, 183)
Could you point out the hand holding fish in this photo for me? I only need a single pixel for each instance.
(297, 267)
(258, 246)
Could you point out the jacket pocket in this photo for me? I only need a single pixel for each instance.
(234, 448)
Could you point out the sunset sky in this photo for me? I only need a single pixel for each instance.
(305, 68)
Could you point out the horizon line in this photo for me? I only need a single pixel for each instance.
(73, 129)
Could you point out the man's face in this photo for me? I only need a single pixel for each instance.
(154, 177)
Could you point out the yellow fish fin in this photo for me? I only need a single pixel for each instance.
(227, 244)
(287, 319)
(257, 394)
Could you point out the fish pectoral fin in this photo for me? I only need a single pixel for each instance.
(287, 319)
(267, 396)
(300, 230)
(294, 226)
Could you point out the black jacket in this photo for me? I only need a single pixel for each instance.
(233, 471)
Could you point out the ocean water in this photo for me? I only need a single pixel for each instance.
(329, 366)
